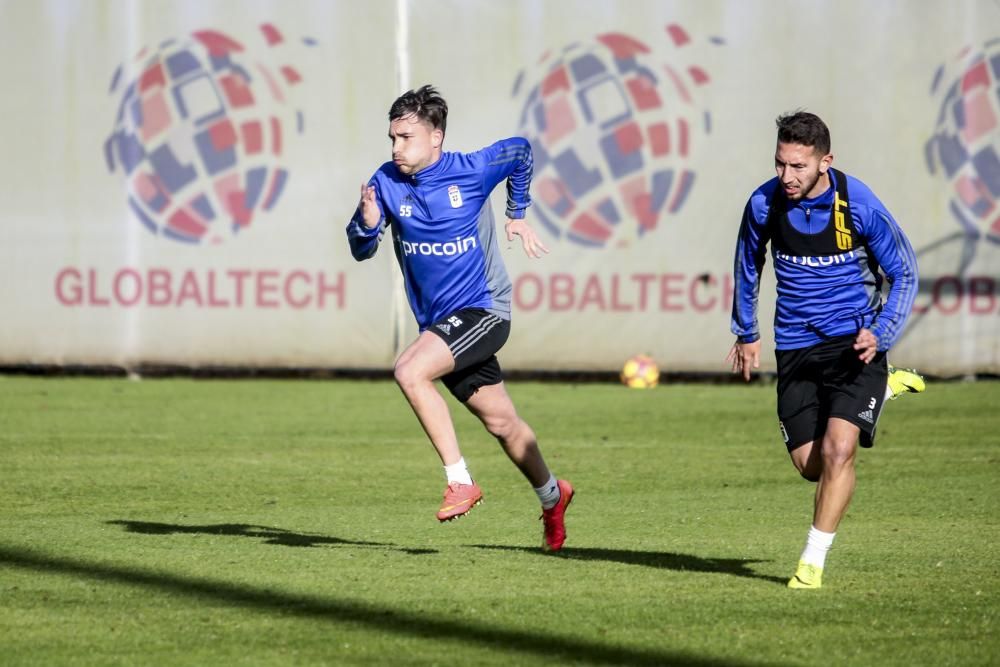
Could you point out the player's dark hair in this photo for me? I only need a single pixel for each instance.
(802, 127)
(425, 103)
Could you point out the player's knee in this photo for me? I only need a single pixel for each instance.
(399, 373)
(838, 454)
(502, 427)
(405, 375)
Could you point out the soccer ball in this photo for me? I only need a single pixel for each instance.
(640, 372)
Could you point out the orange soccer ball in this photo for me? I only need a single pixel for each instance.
(640, 372)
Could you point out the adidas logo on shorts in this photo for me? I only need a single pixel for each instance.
(446, 328)
(868, 416)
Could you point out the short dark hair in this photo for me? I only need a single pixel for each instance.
(802, 127)
(425, 103)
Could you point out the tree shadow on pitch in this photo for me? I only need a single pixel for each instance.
(517, 644)
(659, 559)
(266, 533)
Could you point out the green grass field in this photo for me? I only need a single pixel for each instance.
(266, 522)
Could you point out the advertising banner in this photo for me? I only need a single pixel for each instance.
(179, 174)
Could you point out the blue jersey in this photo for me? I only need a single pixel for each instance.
(443, 229)
(832, 294)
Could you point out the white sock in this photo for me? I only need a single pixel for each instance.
(888, 393)
(817, 545)
(548, 493)
(458, 472)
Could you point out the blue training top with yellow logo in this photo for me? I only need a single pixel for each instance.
(835, 290)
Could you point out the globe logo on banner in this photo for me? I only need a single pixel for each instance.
(965, 148)
(200, 133)
(613, 124)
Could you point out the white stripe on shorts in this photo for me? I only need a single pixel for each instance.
(472, 336)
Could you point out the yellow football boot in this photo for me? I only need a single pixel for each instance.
(807, 576)
(905, 380)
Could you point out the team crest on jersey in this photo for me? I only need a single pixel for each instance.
(454, 196)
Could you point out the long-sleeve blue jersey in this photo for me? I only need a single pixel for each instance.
(819, 297)
(443, 228)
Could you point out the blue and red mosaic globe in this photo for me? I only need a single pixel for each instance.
(613, 124)
(200, 135)
(965, 148)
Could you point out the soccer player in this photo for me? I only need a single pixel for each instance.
(436, 204)
(830, 236)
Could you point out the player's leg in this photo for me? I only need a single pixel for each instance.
(492, 405)
(425, 360)
(853, 395)
(477, 382)
(808, 460)
(834, 490)
(837, 477)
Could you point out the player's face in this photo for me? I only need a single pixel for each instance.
(801, 170)
(415, 144)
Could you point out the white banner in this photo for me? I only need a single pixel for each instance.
(179, 174)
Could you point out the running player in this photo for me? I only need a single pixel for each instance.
(436, 205)
(830, 236)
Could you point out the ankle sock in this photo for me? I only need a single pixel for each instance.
(818, 545)
(548, 493)
(458, 472)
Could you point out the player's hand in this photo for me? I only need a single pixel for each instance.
(370, 212)
(533, 247)
(866, 345)
(743, 357)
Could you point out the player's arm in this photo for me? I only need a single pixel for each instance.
(511, 159)
(367, 225)
(751, 251)
(894, 254)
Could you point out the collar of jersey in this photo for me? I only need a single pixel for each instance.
(428, 172)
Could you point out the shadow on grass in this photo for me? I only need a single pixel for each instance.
(373, 617)
(269, 535)
(668, 561)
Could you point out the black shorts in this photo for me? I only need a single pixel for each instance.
(828, 380)
(474, 336)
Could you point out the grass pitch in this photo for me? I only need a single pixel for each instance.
(196, 522)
